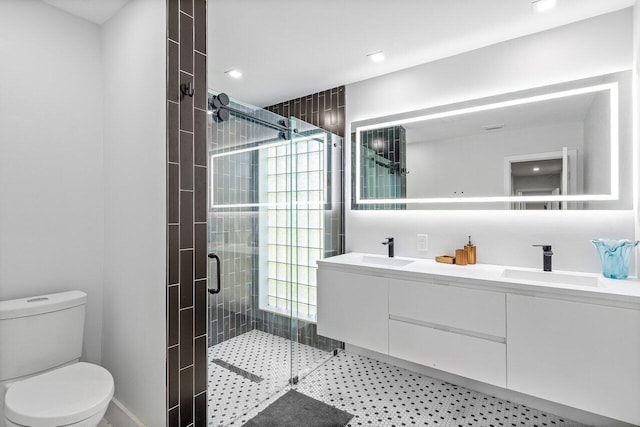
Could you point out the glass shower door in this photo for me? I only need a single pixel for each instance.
(249, 347)
(274, 209)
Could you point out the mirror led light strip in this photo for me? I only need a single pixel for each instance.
(320, 137)
(615, 185)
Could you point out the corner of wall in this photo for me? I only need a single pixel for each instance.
(134, 341)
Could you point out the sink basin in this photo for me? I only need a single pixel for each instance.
(551, 277)
(389, 262)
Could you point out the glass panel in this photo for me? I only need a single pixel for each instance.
(315, 211)
(249, 223)
(275, 208)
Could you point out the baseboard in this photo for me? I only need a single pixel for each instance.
(119, 416)
(568, 412)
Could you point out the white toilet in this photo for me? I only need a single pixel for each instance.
(42, 384)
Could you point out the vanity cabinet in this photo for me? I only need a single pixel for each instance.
(354, 308)
(581, 355)
(575, 347)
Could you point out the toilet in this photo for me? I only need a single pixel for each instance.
(42, 382)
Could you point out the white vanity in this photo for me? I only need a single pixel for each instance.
(568, 338)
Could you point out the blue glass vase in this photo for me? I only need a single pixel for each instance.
(615, 256)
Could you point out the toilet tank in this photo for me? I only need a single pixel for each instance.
(40, 333)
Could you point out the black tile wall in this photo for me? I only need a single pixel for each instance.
(173, 73)
(186, 276)
(200, 22)
(173, 131)
(200, 194)
(186, 221)
(323, 109)
(201, 409)
(186, 389)
(200, 138)
(174, 371)
(173, 322)
(186, 43)
(186, 6)
(186, 161)
(230, 311)
(200, 79)
(173, 418)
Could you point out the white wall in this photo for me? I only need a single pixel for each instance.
(596, 46)
(82, 180)
(134, 344)
(51, 160)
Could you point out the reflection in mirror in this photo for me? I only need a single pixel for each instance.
(551, 148)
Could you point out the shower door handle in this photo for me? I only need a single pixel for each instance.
(218, 280)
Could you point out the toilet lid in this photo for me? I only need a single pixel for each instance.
(63, 396)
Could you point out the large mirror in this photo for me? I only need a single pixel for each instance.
(558, 147)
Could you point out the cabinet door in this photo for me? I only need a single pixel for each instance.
(582, 355)
(353, 308)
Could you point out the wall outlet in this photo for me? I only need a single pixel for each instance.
(422, 242)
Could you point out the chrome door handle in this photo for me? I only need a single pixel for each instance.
(218, 281)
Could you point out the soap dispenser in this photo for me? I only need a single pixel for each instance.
(471, 252)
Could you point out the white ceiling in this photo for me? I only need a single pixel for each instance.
(290, 48)
(97, 11)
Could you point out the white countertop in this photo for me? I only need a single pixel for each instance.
(622, 293)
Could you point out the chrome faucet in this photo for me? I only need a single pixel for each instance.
(546, 256)
(389, 243)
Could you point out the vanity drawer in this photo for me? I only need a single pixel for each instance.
(463, 355)
(473, 310)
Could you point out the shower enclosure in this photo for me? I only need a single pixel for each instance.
(275, 208)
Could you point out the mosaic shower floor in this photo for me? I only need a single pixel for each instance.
(245, 370)
(376, 393)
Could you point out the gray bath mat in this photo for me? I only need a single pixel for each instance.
(295, 409)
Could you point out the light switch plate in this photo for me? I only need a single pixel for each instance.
(422, 242)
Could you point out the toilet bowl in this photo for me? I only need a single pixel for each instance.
(75, 395)
(42, 382)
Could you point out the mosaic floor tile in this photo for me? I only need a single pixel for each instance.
(378, 394)
(258, 353)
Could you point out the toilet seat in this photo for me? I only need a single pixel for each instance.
(60, 397)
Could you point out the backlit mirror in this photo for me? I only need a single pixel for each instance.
(558, 147)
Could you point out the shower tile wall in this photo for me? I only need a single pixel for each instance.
(323, 109)
(186, 214)
(233, 233)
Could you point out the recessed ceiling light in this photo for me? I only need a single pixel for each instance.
(536, 169)
(543, 5)
(376, 56)
(234, 73)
